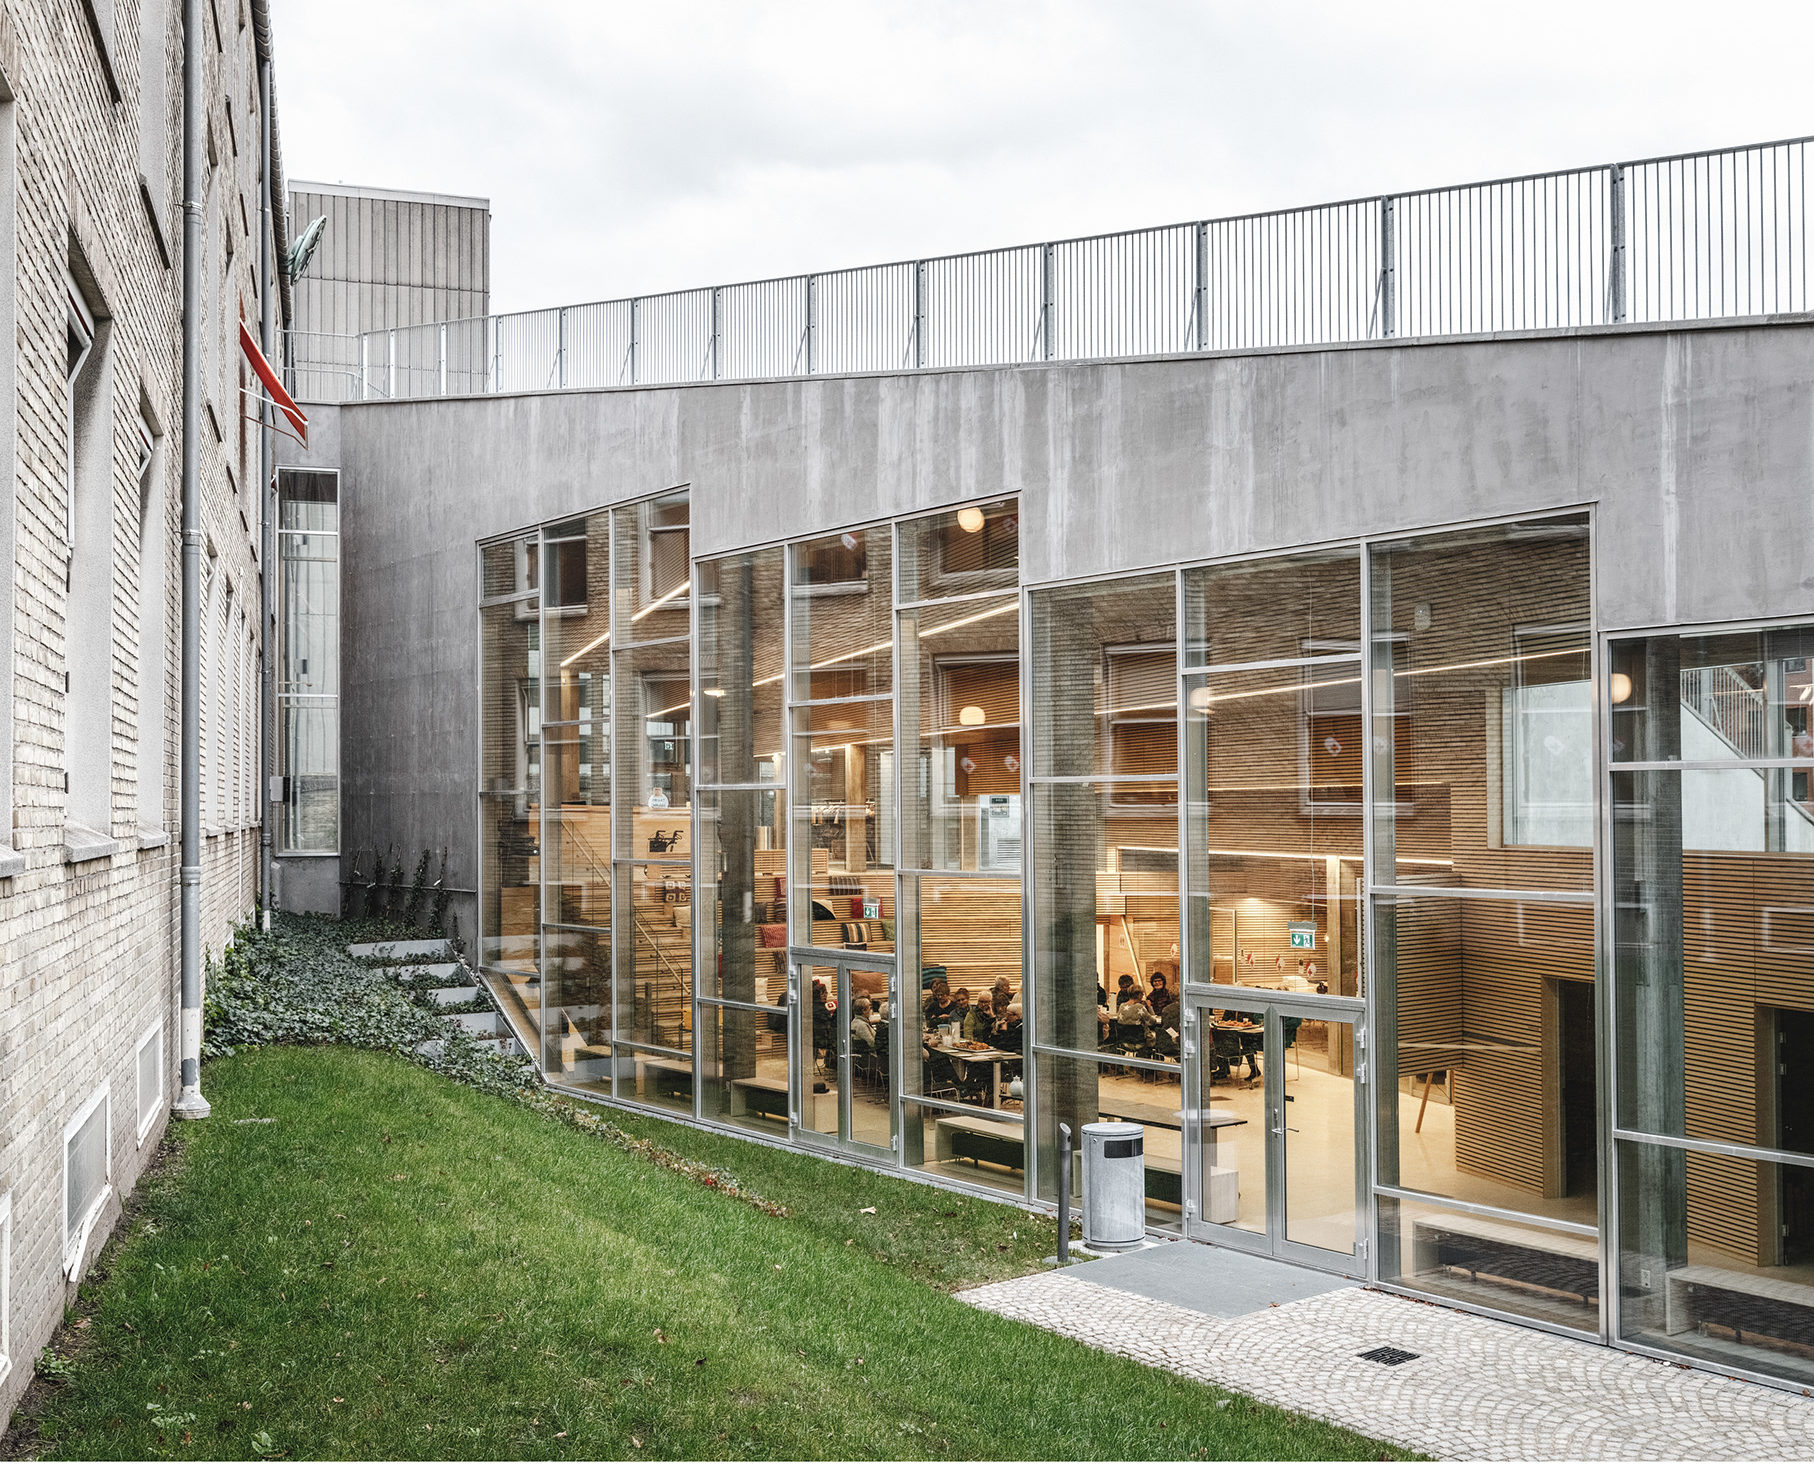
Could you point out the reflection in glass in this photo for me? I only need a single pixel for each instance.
(1482, 720)
(985, 1147)
(1715, 698)
(308, 662)
(740, 649)
(1550, 1276)
(1493, 1099)
(510, 791)
(1278, 609)
(1077, 1091)
(1718, 1258)
(745, 1067)
(742, 835)
(843, 838)
(961, 551)
(1105, 691)
(843, 604)
(650, 572)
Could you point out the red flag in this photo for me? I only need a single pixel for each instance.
(268, 375)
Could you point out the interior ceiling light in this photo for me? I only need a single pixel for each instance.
(1621, 688)
(970, 520)
(971, 717)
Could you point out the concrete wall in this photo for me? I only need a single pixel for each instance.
(1695, 445)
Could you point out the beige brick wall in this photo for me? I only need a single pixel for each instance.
(88, 951)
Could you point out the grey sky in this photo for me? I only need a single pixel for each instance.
(636, 148)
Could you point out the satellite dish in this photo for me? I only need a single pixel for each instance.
(304, 248)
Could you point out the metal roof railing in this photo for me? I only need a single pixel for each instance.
(1691, 237)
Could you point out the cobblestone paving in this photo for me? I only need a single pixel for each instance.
(1478, 1389)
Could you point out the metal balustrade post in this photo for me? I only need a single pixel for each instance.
(497, 353)
(1388, 270)
(635, 336)
(1616, 266)
(717, 331)
(1047, 287)
(812, 323)
(1200, 305)
(560, 346)
(919, 313)
(365, 367)
(442, 351)
(390, 385)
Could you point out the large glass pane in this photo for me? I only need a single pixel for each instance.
(1715, 698)
(986, 1146)
(1077, 1091)
(964, 1035)
(960, 552)
(1273, 609)
(1275, 832)
(843, 840)
(510, 705)
(576, 1032)
(654, 764)
(843, 604)
(740, 650)
(1488, 1092)
(745, 1066)
(1549, 1275)
(309, 615)
(1105, 690)
(743, 924)
(1106, 909)
(1717, 1258)
(652, 577)
(308, 740)
(1713, 880)
(654, 956)
(960, 714)
(1317, 1115)
(1482, 707)
(1231, 1119)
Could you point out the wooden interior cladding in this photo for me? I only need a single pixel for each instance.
(1273, 609)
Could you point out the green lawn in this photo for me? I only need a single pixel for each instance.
(357, 1258)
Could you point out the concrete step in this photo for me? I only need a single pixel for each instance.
(400, 950)
(452, 995)
(480, 1024)
(434, 969)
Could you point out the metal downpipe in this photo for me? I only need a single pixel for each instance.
(190, 1103)
(267, 577)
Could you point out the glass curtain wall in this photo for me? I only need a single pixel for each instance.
(961, 1023)
(308, 661)
(1482, 809)
(1712, 793)
(585, 898)
(742, 831)
(1104, 824)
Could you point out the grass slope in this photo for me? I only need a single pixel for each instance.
(356, 1258)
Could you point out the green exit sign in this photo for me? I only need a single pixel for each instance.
(1303, 937)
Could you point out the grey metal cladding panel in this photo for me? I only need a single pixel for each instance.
(415, 220)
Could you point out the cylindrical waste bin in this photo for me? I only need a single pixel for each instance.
(1114, 1185)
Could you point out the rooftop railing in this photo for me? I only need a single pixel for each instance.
(1692, 237)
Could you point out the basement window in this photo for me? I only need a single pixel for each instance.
(87, 1172)
(151, 1077)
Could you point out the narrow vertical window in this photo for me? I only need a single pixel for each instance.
(154, 121)
(154, 614)
(150, 1064)
(307, 754)
(89, 527)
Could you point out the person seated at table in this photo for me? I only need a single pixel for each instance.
(1001, 995)
(1165, 1033)
(1134, 1021)
(1158, 992)
(1127, 989)
(862, 1024)
(979, 1021)
(1251, 1042)
(937, 1004)
(960, 1005)
(1006, 1034)
(825, 1027)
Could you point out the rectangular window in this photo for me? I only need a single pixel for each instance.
(307, 754)
(87, 1175)
(154, 120)
(151, 1077)
(153, 622)
(88, 523)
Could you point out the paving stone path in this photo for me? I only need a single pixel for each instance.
(1478, 1389)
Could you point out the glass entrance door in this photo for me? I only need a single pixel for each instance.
(1276, 1127)
(843, 1060)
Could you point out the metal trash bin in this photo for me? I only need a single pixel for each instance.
(1114, 1185)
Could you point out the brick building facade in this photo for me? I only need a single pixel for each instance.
(91, 415)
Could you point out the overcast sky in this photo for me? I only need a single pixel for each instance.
(633, 148)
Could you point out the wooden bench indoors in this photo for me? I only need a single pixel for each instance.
(1742, 1308)
(759, 1098)
(1552, 1262)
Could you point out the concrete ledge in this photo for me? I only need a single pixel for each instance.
(12, 863)
(153, 839)
(81, 845)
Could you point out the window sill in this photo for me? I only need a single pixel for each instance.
(72, 1259)
(153, 839)
(12, 863)
(81, 846)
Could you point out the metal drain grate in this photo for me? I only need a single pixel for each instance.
(1388, 1356)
